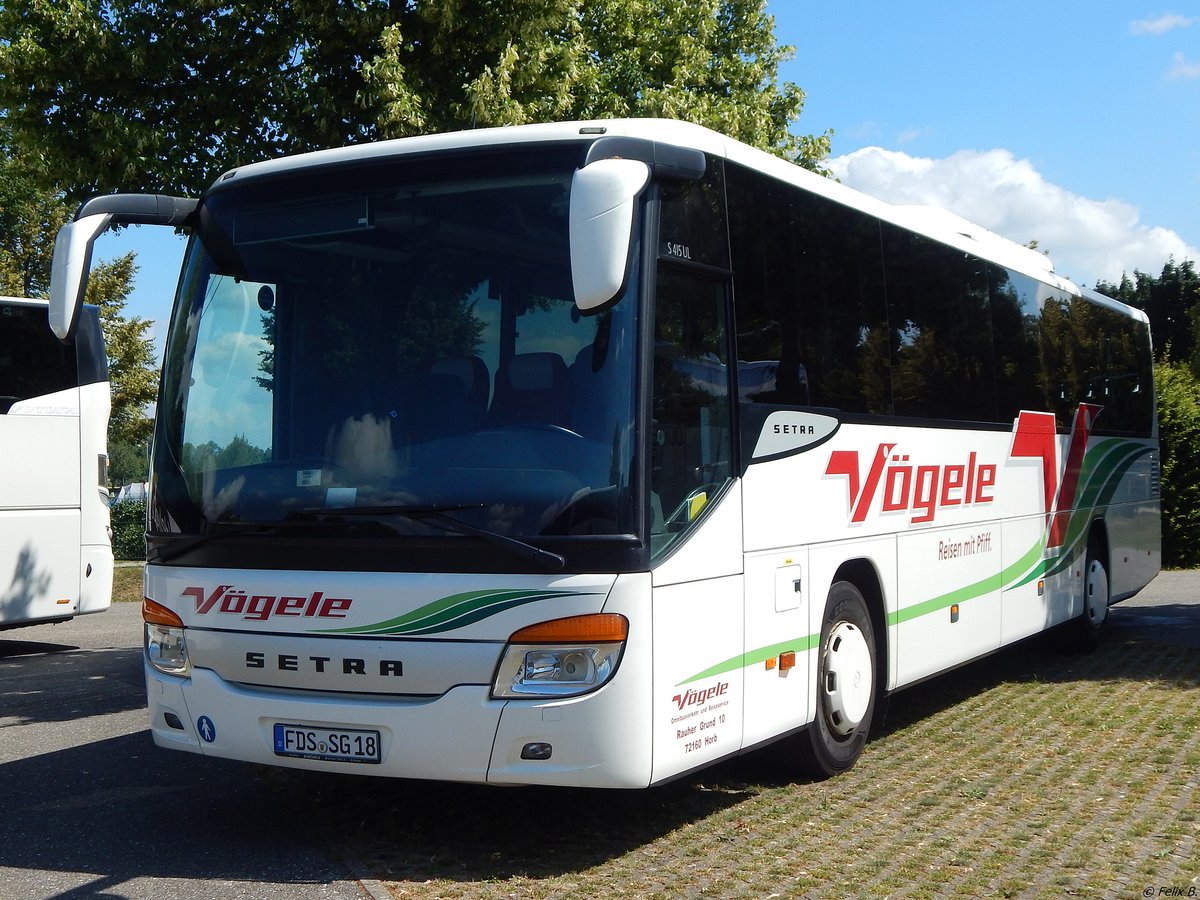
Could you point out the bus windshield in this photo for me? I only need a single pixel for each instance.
(396, 344)
(33, 363)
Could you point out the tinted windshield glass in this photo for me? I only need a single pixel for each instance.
(394, 337)
(33, 362)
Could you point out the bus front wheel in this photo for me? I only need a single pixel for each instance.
(846, 685)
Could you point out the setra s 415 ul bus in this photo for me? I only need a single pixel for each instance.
(56, 558)
(592, 453)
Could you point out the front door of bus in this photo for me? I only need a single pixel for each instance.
(696, 533)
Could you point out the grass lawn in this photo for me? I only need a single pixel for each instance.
(127, 583)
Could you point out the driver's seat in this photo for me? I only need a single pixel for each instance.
(532, 388)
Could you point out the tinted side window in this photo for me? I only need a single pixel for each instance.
(940, 322)
(808, 290)
(1100, 357)
(692, 228)
(1021, 380)
(691, 454)
(1125, 383)
(949, 337)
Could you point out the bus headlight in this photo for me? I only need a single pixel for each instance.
(561, 658)
(166, 646)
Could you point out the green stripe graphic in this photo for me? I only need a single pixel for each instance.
(455, 611)
(1103, 468)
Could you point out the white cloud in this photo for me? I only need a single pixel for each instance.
(1089, 240)
(1161, 25)
(1182, 69)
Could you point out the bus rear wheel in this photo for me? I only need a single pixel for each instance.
(1086, 628)
(846, 685)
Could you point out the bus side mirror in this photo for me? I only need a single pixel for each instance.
(603, 199)
(69, 270)
(73, 246)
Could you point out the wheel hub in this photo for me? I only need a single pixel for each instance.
(1095, 594)
(849, 680)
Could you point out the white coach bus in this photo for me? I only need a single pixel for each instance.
(56, 559)
(592, 453)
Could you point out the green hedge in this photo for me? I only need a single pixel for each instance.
(1179, 435)
(129, 529)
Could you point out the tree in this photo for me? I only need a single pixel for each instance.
(163, 95)
(131, 370)
(166, 94)
(127, 463)
(29, 219)
(1179, 426)
(443, 66)
(1172, 301)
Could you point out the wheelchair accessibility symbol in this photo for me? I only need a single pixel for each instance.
(208, 731)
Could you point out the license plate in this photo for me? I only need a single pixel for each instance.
(330, 744)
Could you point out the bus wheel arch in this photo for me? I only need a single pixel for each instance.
(850, 667)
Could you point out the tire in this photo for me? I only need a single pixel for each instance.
(847, 686)
(1085, 629)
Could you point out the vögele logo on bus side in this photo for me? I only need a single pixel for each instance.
(923, 489)
(903, 486)
(692, 697)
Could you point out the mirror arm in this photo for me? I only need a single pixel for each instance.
(141, 209)
(73, 245)
(666, 161)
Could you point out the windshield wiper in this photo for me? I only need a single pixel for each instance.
(218, 530)
(436, 515)
(319, 518)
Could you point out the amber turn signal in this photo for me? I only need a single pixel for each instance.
(598, 628)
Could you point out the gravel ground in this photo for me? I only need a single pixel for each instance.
(1028, 774)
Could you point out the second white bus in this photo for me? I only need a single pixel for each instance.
(56, 559)
(593, 453)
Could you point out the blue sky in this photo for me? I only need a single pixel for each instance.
(1067, 122)
(1075, 123)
